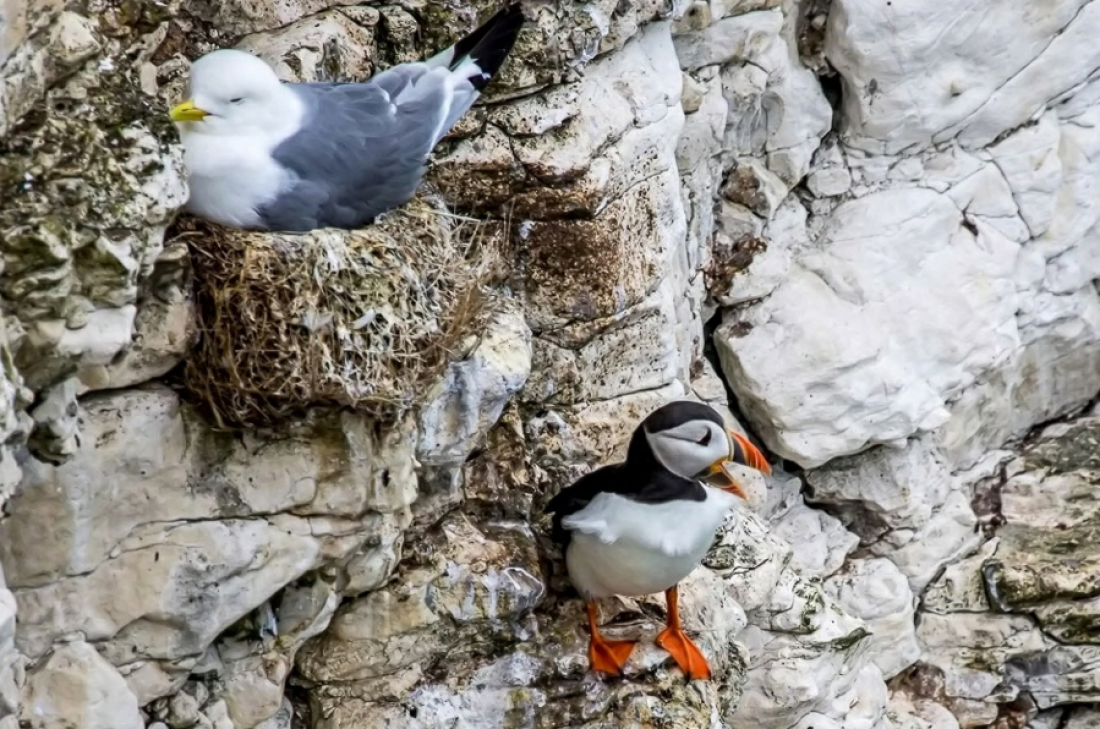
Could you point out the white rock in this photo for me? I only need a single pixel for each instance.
(960, 588)
(596, 432)
(756, 187)
(312, 48)
(876, 591)
(950, 534)
(829, 175)
(1057, 371)
(626, 112)
(637, 350)
(946, 78)
(864, 705)
(164, 467)
(1028, 158)
(819, 542)
(769, 268)
(183, 711)
(105, 333)
(736, 221)
(798, 117)
(55, 423)
(694, 92)
(698, 157)
(902, 713)
(752, 560)
(885, 487)
(164, 327)
(372, 565)
(11, 664)
(971, 649)
(283, 718)
(985, 194)
(238, 17)
(252, 689)
(744, 86)
(470, 397)
(870, 337)
(218, 715)
(791, 675)
(76, 687)
(156, 599)
(738, 38)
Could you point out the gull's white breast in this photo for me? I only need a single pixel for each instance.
(622, 547)
(231, 174)
(231, 177)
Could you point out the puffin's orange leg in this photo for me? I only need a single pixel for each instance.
(606, 655)
(673, 639)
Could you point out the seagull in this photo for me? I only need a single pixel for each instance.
(641, 526)
(263, 154)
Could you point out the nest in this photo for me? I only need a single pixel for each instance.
(365, 319)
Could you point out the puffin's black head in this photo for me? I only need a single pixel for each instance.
(690, 440)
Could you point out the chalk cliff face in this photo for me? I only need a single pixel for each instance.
(868, 227)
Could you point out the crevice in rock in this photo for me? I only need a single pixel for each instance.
(810, 34)
(298, 696)
(710, 354)
(986, 502)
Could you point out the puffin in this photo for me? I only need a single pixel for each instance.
(641, 526)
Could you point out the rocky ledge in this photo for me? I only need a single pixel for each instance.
(864, 230)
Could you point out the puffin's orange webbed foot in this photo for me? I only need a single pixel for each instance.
(686, 654)
(674, 640)
(608, 656)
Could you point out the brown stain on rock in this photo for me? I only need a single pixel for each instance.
(587, 269)
(743, 187)
(726, 264)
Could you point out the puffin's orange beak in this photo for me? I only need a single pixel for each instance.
(742, 452)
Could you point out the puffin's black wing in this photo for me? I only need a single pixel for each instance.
(652, 487)
(578, 495)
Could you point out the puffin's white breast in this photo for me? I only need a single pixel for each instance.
(622, 547)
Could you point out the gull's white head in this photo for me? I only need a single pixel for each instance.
(232, 92)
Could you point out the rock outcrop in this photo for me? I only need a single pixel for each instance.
(864, 230)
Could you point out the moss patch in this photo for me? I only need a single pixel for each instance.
(1077, 449)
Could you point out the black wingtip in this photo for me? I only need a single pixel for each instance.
(490, 43)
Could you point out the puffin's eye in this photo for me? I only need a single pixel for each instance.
(705, 440)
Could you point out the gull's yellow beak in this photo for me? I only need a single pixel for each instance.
(187, 112)
(742, 452)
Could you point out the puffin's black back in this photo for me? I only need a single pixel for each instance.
(641, 477)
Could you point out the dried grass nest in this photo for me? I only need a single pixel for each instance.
(366, 319)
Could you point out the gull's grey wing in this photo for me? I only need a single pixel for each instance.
(360, 151)
(399, 79)
(363, 147)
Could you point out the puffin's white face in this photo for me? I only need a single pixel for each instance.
(232, 93)
(691, 449)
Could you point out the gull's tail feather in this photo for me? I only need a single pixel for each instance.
(480, 55)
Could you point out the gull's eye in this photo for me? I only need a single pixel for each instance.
(237, 100)
(705, 440)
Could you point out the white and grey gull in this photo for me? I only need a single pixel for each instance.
(264, 154)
